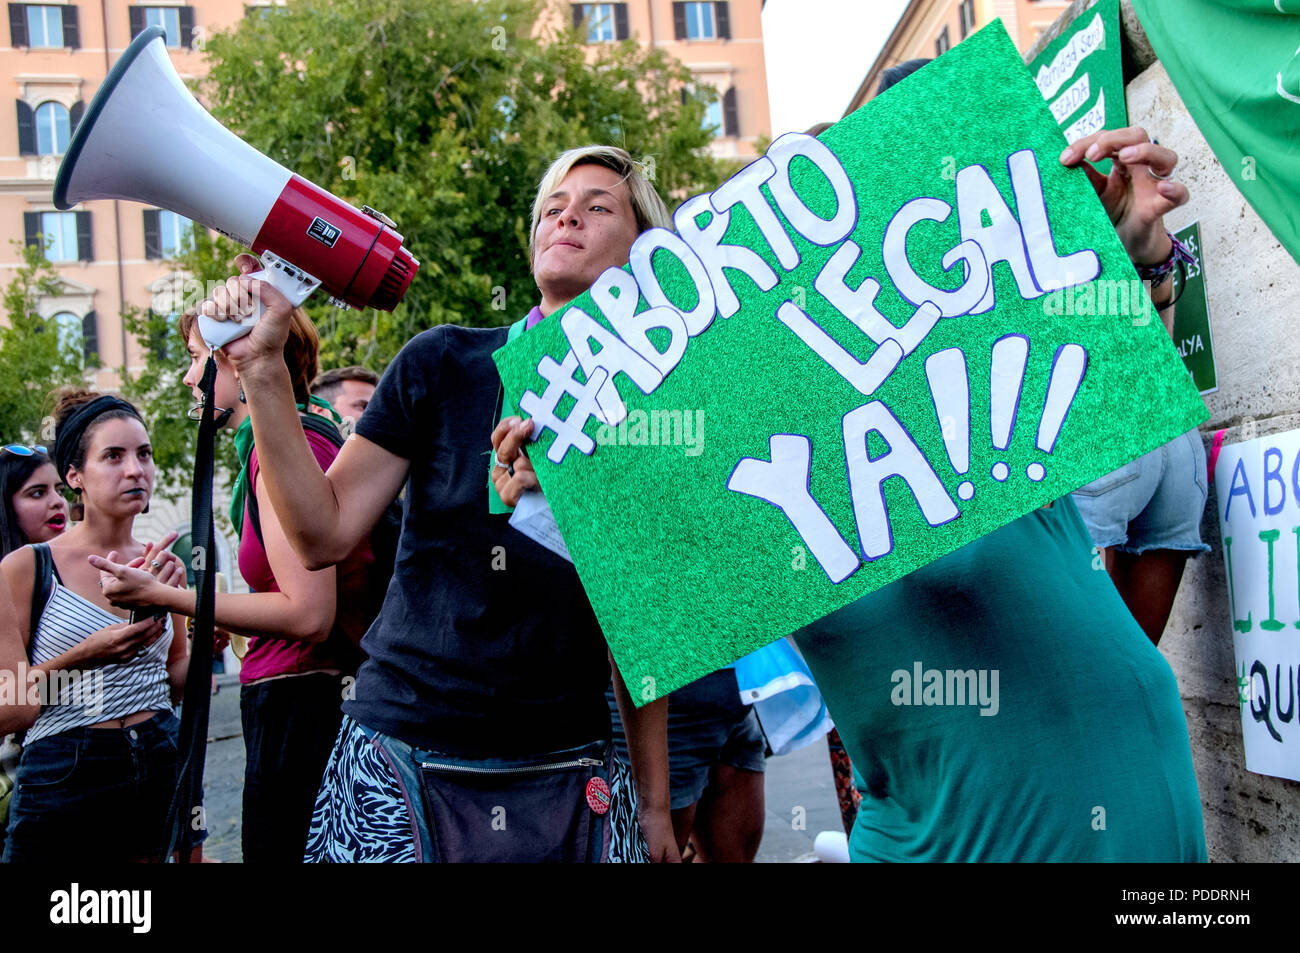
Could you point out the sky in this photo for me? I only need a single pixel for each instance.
(817, 53)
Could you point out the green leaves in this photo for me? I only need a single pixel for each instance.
(444, 116)
(32, 362)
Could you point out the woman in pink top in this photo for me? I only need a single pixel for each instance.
(298, 653)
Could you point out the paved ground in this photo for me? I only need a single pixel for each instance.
(800, 792)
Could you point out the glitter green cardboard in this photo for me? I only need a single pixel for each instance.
(858, 354)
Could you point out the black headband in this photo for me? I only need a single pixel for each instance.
(71, 430)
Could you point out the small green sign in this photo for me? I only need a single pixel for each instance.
(855, 356)
(1081, 75)
(1192, 335)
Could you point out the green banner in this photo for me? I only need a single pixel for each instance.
(1081, 75)
(1192, 316)
(858, 354)
(1236, 65)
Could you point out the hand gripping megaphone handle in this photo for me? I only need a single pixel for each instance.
(291, 281)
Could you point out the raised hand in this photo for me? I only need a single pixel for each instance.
(236, 300)
(1138, 193)
(122, 642)
(512, 471)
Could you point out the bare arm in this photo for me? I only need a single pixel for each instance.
(302, 609)
(324, 516)
(646, 729)
(114, 643)
(15, 715)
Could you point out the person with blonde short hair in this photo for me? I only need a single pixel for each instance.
(477, 728)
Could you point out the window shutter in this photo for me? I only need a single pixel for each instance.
(679, 21)
(730, 124)
(32, 229)
(187, 27)
(152, 234)
(722, 20)
(621, 31)
(577, 16)
(85, 248)
(17, 24)
(74, 116)
(136, 15)
(90, 339)
(26, 130)
(71, 32)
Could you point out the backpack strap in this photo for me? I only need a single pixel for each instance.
(43, 576)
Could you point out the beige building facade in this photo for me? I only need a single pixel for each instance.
(929, 28)
(109, 255)
(720, 42)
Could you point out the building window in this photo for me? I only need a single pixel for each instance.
(62, 236)
(169, 18)
(600, 22)
(60, 232)
(701, 21)
(68, 327)
(604, 22)
(164, 233)
(172, 232)
(713, 117)
(44, 27)
(966, 14)
(178, 22)
(942, 45)
(52, 129)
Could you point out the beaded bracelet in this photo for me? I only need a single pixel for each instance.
(1180, 256)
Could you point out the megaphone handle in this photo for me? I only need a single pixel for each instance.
(290, 280)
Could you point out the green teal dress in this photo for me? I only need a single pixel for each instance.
(1076, 751)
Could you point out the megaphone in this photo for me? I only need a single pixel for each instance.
(144, 138)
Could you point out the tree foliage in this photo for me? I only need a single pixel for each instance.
(444, 116)
(34, 360)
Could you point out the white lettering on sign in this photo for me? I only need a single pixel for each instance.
(1094, 120)
(1079, 92)
(1051, 77)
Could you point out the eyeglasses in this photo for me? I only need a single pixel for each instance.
(18, 450)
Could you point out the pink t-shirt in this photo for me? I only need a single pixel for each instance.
(267, 657)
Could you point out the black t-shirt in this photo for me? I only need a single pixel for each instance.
(465, 658)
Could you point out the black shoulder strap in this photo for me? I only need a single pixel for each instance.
(42, 582)
(314, 422)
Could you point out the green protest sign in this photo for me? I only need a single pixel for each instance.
(1081, 75)
(1192, 316)
(858, 354)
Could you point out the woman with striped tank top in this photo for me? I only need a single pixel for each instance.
(99, 764)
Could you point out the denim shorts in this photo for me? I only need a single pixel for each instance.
(708, 725)
(1154, 502)
(97, 794)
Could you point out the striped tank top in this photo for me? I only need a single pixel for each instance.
(73, 699)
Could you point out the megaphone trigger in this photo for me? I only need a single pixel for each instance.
(291, 281)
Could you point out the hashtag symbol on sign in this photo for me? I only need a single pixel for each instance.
(560, 381)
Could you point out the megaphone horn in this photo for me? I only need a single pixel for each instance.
(145, 138)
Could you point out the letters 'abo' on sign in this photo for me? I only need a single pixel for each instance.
(870, 328)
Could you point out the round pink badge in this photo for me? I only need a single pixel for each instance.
(598, 795)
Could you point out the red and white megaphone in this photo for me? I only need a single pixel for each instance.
(144, 138)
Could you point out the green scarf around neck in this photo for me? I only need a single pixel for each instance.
(244, 450)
